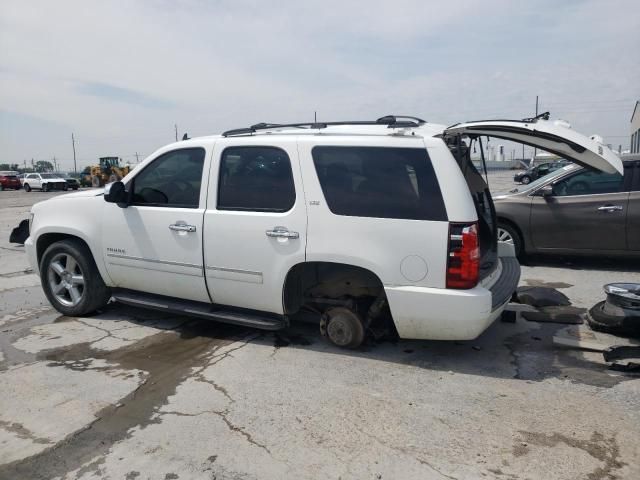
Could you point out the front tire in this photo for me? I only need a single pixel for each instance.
(70, 279)
(45, 187)
(509, 234)
(526, 180)
(27, 187)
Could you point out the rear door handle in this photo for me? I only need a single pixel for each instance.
(182, 227)
(282, 232)
(610, 208)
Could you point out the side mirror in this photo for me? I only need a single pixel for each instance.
(115, 193)
(546, 191)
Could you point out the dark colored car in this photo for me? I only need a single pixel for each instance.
(72, 182)
(574, 210)
(538, 171)
(9, 180)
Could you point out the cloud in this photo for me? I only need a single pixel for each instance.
(119, 94)
(121, 74)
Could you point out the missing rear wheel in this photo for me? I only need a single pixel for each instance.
(343, 327)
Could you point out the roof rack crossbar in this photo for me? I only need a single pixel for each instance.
(391, 121)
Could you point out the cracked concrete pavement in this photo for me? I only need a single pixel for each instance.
(135, 394)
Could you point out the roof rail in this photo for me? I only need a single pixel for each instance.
(543, 116)
(391, 121)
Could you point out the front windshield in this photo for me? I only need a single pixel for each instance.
(546, 178)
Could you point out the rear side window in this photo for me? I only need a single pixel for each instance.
(257, 179)
(632, 176)
(379, 182)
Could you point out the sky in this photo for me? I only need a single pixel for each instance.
(120, 74)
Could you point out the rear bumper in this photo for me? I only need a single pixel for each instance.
(445, 314)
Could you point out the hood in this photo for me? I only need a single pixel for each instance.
(85, 193)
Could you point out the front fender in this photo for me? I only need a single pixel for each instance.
(74, 217)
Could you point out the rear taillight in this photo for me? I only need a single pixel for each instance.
(463, 265)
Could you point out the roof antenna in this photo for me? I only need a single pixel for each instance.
(185, 137)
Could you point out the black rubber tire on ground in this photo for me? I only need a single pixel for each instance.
(45, 187)
(65, 188)
(95, 294)
(27, 187)
(75, 188)
(615, 324)
(518, 243)
(344, 328)
(525, 180)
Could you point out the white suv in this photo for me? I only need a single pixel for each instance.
(44, 182)
(352, 225)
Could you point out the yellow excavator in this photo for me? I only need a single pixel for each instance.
(107, 171)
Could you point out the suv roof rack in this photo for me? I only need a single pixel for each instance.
(392, 121)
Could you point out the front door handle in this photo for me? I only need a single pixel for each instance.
(282, 232)
(610, 208)
(182, 227)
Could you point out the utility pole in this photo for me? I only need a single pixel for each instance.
(137, 160)
(55, 164)
(175, 126)
(535, 150)
(73, 144)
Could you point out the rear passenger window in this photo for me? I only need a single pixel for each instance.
(379, 182)
(255, 179)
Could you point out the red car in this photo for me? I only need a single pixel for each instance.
(9, 180)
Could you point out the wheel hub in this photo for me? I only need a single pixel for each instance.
(339, 332)
(343, 327)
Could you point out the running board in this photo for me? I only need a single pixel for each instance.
(199, 310)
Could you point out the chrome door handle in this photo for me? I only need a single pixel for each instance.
(282, 232)
(182, 227)
(610, 208)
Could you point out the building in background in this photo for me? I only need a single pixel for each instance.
(635, 129)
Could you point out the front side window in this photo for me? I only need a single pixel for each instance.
(588, 182)
(171, 180)
(255, 179)
(379, 182)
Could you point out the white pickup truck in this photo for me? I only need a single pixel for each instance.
(350, 225)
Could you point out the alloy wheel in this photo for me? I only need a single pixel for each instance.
(66, 280)
(504, 236)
